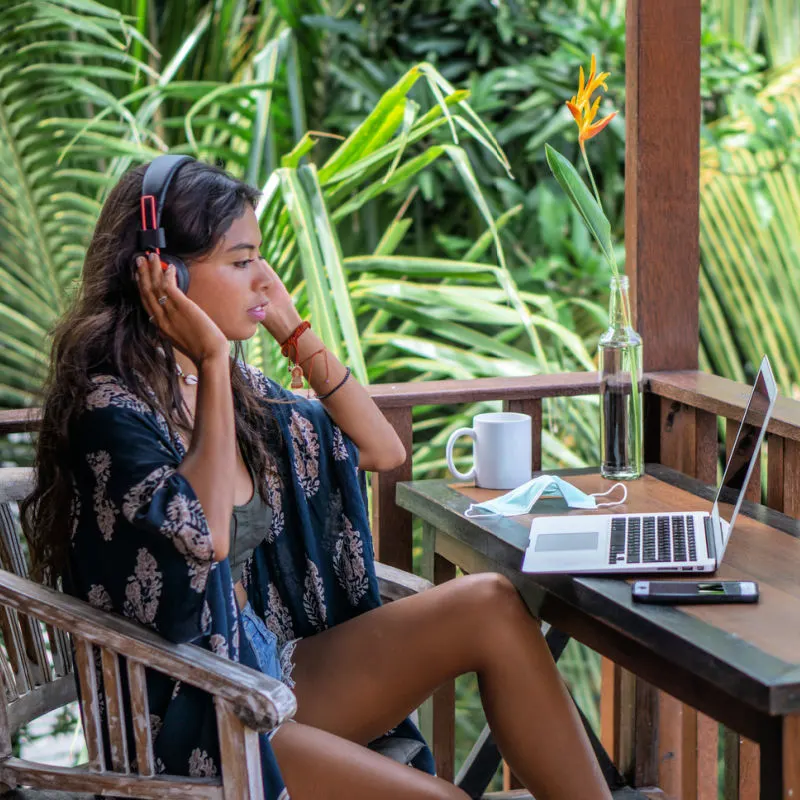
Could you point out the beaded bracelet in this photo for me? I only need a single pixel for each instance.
(337, 387)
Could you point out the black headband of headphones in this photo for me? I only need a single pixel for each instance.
(155, 183)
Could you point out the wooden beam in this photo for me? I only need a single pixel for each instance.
(662, 169)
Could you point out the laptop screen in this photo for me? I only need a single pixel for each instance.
(746, 447)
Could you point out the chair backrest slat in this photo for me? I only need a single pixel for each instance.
(15, 647)
(35, 655)
(35, 650)
(11, 556)
(8, 680)
(115, 712)
(59, 651)
(140, 714)
(90, 704)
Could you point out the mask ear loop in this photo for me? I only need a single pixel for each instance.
(479, 515)
(616, 502)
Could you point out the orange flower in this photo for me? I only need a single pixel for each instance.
(583, 109)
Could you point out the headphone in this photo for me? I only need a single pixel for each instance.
(152, 239)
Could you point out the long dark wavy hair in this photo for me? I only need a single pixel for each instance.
(107, 330)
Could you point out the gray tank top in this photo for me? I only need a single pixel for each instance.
(249, 527)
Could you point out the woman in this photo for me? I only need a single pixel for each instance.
(219, 508)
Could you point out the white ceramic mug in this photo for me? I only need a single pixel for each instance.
(502, 450)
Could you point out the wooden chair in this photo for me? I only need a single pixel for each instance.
(36, 671)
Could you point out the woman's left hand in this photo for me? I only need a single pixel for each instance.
(281, 316)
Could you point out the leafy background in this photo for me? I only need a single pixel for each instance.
(406, 201)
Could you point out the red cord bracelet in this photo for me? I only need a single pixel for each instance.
(293, 337)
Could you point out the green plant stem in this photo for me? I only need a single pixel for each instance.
(591, 175)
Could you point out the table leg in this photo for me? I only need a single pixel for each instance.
(438, 715)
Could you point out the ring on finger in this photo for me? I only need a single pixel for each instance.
(150, 318)
(162, 300)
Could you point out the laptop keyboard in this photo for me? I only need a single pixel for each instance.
(652, 539)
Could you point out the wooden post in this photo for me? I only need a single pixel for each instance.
(241, 757)
(391, 525)
(662, 178)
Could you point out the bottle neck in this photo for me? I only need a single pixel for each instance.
(619, 315)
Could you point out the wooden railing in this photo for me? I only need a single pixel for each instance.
(682, 410)
(653, 738)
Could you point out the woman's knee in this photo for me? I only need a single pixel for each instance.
(497, 609)
(491, 598)
(492, 589)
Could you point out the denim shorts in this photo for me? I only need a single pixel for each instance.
(272, 661)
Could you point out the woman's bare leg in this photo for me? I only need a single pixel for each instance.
(317, 765)
(362, 677)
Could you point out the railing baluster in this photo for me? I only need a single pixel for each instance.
(533, 408)
(391, 526)
(677, 748)
(783, 474)
(707, 758)
(791, 747)
(753, 492)
(706, 447)
(741, 778)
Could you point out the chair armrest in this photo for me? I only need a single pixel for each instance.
(394, 583)
(260, 702)
(15, 483)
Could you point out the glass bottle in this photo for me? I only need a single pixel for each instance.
(621, 407)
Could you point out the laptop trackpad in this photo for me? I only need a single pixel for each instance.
(565, 542)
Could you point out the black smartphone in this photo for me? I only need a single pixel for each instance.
(680, 592)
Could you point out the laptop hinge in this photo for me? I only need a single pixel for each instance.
(708, 522)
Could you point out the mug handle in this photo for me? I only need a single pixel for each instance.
(449, 453)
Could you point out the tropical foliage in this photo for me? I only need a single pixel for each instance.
(406, 199)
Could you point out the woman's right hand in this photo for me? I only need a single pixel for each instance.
(180, 319)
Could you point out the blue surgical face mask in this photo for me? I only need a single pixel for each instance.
(522, 499)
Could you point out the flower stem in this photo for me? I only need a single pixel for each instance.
(591, 175)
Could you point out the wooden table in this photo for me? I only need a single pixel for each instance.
(739, 664)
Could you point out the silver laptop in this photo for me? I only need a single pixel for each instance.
(691, 541)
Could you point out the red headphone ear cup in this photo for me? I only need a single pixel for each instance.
(181, 270)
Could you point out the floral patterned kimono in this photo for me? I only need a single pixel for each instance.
(141, 547)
